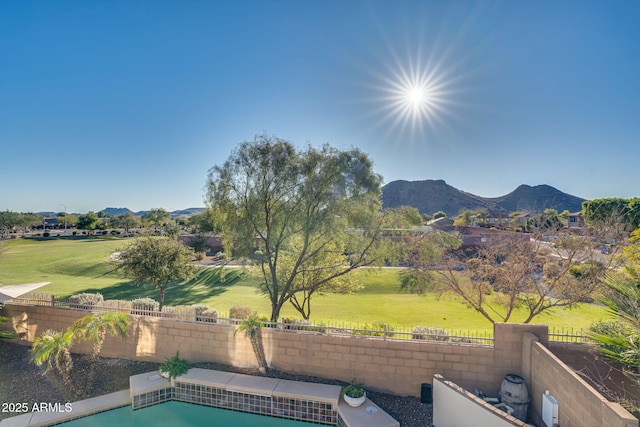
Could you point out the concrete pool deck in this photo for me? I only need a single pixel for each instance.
(319, 403)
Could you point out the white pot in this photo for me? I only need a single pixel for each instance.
(164, 374)
(355, 401)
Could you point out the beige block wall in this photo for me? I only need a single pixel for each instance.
(580, 405)
(395, 366)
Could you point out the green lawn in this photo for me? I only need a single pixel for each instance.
(75, 266)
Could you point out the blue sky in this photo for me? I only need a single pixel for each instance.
(129, 103)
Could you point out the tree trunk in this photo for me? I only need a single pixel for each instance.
(161, 298)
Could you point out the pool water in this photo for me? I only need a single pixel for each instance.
(180, 414)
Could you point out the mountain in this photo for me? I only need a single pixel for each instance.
(116, 211)
(187, 212)
(431, 196)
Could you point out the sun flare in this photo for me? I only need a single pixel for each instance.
(415, 96)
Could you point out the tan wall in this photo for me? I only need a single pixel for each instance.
(579, 404)
(454, 406)
(596, 370)
(397, 366)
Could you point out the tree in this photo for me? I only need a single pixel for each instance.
(204, 222)
(53, 349)
(619, 339)
(630, 256)
(508, 271)
(289, 210)
(156, 261)
(404, 216)
(624, 212)
(126, 221)
(88, 221)
(465, 218)
(95, 328)
(157, 217)
(439, 214)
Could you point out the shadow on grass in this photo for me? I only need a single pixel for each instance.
(208, 282)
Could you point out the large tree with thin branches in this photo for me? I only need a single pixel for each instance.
(306, 218)
(508, 272)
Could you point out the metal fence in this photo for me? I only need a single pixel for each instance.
(376, 330)
(568, 335)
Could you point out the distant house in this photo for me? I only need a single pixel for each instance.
(442, 224)
(575, 220)
(478, 236)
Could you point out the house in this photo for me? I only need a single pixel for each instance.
(575, 220)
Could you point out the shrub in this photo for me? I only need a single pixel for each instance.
(85, 301)
(209, 315)
(303, 325)
(429, 333)
(613, 330)
(240, 312)
(353, 389)
(175, 366)
(116, 304)
(376, 329)
(142, 305)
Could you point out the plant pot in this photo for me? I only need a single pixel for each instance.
(355, 401)
(164, 374)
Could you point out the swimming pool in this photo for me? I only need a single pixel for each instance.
(180, 414)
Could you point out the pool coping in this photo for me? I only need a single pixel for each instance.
(367, 415)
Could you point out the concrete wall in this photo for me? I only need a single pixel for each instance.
(579, 404)
(453, 406)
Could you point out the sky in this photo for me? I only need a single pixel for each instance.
(130, 103)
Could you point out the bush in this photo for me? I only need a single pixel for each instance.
(429, 333)
(240, 312)
(613, 330)
(116, 304)
(175, 366)
(142, 305)
(303, 325)
(85, 301)
(209, 315)
(376, 329)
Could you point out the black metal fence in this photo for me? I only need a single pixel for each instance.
(373, 330)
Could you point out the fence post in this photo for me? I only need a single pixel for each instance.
(53, 300)
(195, 315)
(385, 331)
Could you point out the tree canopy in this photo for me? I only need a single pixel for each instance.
(306, 218)
(156, 262)
(507, 271)
(625, 212)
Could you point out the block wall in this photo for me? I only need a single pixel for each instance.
(579, 404)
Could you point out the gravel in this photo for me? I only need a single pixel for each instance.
(23, 382)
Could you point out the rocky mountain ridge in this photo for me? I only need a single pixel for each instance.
(431, 196)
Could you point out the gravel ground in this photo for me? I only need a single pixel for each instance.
(23, 382)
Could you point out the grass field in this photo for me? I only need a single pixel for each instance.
(75, 266)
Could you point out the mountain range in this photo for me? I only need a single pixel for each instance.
(431, 196)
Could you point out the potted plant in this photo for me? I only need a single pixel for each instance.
(354, 394)
(174, 367)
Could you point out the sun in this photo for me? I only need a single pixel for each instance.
(414, 96)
